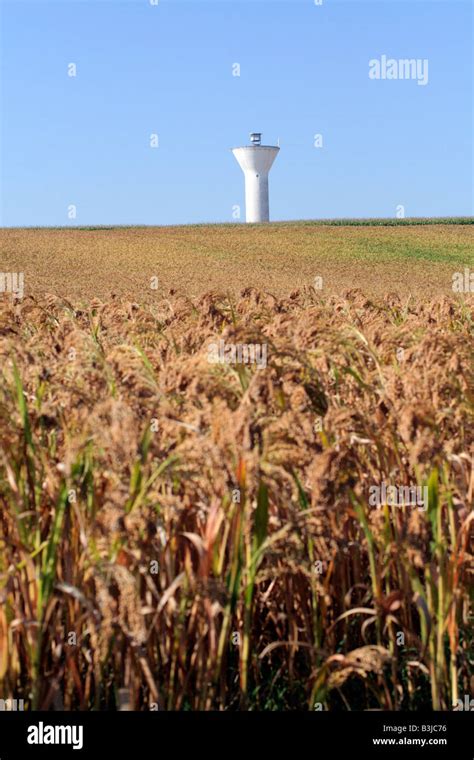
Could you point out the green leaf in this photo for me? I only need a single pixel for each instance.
(302, 498)
(22, 406)
(433, 501)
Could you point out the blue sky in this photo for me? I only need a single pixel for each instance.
(168, 70)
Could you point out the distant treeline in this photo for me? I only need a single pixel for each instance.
(382, 222)
(386, 222)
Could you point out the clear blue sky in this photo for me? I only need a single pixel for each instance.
(167, 69)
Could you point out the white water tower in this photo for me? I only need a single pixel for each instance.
(256, 160)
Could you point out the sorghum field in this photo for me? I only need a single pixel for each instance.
(177, 533)
(402, 256)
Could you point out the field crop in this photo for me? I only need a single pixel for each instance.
(180, 533)
(400, 257)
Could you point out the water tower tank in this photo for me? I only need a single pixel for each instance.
(256, 160)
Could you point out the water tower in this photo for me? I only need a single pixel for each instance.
(256, 160)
